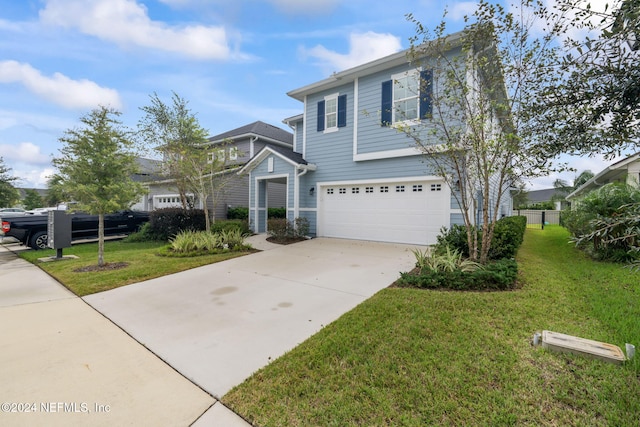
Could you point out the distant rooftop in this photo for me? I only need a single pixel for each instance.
(258, 128)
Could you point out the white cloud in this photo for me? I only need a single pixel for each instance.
(126, 22)
(363, 47)
(59, 89)
(595, 164)
(24, 152)
(459, 10)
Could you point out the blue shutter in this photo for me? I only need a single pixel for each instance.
(320, 116)
(387, 103)
(342, 111)
(426, 90)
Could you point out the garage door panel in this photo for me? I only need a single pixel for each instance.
(395, 216)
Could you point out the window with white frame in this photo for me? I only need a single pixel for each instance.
(233, 153)
(331, 112)
(406, 96)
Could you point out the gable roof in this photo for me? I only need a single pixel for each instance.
(607, 175)
(286, 154)
(349, 75)
(260, 129)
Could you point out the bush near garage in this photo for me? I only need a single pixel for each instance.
(243, 213)
(508, 235)
(496, 276)
(238, 213)
(168, 222)
(242, 225)
(446, 265)
(281, 230)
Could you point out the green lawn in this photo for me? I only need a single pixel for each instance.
(415, 357)
(143, 264)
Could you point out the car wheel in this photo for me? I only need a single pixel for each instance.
(39, 240)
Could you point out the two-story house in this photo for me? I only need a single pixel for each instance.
(235, 147)
(351, 173)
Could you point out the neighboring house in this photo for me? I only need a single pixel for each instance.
(553, 195)
(236, 147)
(351, 173)
(626, 170)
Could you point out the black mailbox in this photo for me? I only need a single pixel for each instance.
(59, 230)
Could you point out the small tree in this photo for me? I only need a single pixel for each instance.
(479, 93)
(32, 199)
(9, 195)
(175, 133)
(96, 166)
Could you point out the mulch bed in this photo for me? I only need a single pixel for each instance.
(285, 240)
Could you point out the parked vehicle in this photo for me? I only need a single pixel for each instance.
(12, 212)
(31, 230)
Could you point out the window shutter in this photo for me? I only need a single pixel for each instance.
(387, 103)
(342, 111)
(320, 116)
(426, 90)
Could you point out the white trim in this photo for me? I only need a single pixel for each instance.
(380, 180)
(257, 209)
(409, 74)
(387, 154)
(356, 105)
(304, 128)
(308, 209)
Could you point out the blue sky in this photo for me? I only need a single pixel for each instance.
(233, 60)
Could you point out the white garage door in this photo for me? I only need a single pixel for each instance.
(404, 212)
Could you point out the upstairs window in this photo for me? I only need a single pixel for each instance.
(332, 113)
(406, 97)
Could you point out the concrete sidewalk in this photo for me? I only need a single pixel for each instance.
(64, 364)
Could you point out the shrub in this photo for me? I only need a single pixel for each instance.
(144, 234)
(188, 243)
(606, 223)
(231, 224)
(498, 275)
(449, 260)
(454, 238)
(238, 213)
(508, 235)
(168, 222)
(283, 229)
(276, 212)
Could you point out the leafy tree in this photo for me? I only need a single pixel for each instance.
(173, 131)
(595, 106)
(32, 199)
(9, 195)
(563, 189)
(96, 166)
(55, 191)
(478, 135)
(183, 144)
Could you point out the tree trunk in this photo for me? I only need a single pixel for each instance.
(100, 240)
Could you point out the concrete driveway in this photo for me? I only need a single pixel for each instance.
(218, 324)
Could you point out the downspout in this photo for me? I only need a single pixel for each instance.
(252, 150)
(296, 192)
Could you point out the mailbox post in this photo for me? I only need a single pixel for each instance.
(59, 231)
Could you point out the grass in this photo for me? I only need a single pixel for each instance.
(143, 264)
(412, 357)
